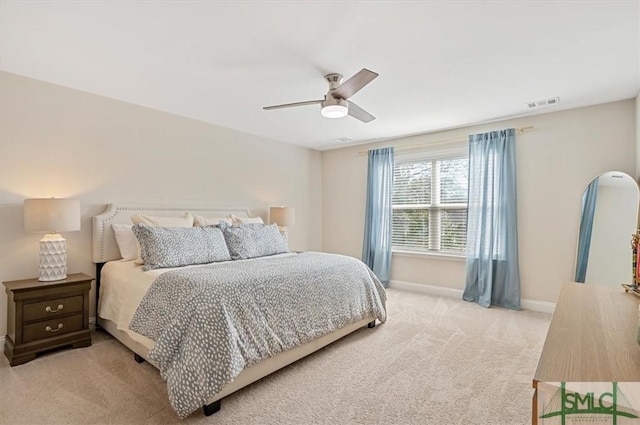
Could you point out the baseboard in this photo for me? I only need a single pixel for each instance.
(442, 291)
(426, 289)
(535, 305)
(92, 322)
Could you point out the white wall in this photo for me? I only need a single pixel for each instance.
(60, 142)
(555, 162)
(614, 221)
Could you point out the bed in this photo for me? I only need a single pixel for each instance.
(124, 291)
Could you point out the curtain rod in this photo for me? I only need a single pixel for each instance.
(519, 130)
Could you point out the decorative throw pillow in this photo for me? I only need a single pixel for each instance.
(253, 240)
(185, 221)
(245, 220)
(211, 221)
(162, 247)
(127, 242)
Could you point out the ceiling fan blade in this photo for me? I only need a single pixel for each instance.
(289, 105)
(357, 112)
(354, 84)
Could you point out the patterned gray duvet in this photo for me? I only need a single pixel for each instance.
(210, 323)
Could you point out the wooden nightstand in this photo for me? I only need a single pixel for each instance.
(46, 315)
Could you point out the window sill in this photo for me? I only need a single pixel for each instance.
(433, 255)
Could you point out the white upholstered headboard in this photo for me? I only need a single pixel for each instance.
(104, 246)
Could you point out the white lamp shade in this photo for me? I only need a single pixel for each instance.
(282, 216)
(50, 215)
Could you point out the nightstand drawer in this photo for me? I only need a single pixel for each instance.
(51, 328)
(52, 308)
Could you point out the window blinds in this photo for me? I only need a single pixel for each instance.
(430, 205)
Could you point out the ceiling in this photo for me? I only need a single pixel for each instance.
(441, 64)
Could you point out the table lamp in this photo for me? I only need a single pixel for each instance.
(52, 215)
(283, 217)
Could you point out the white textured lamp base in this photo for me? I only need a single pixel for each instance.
(53, 258)
(285, 234)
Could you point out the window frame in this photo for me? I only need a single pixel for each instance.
(435, 207)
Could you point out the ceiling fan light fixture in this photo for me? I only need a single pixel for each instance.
(334, 111)
(335, 103)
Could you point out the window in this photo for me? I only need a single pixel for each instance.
(430, 204)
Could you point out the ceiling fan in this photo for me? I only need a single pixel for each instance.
(335, 103)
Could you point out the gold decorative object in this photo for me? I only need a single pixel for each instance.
(635, 287)
(635, 240)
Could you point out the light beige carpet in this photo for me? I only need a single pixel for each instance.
(436, 361)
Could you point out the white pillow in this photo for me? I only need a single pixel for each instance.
(245, 220)
(211, 221)
(185, 221)
(127, 241)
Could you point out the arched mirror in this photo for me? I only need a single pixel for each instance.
(609, 218)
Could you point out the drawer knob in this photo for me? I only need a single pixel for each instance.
(48, 309)
(49, 329)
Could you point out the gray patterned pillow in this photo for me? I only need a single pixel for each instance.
(162, 247)
(253, 240)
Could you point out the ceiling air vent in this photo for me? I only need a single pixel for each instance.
(545, 102)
